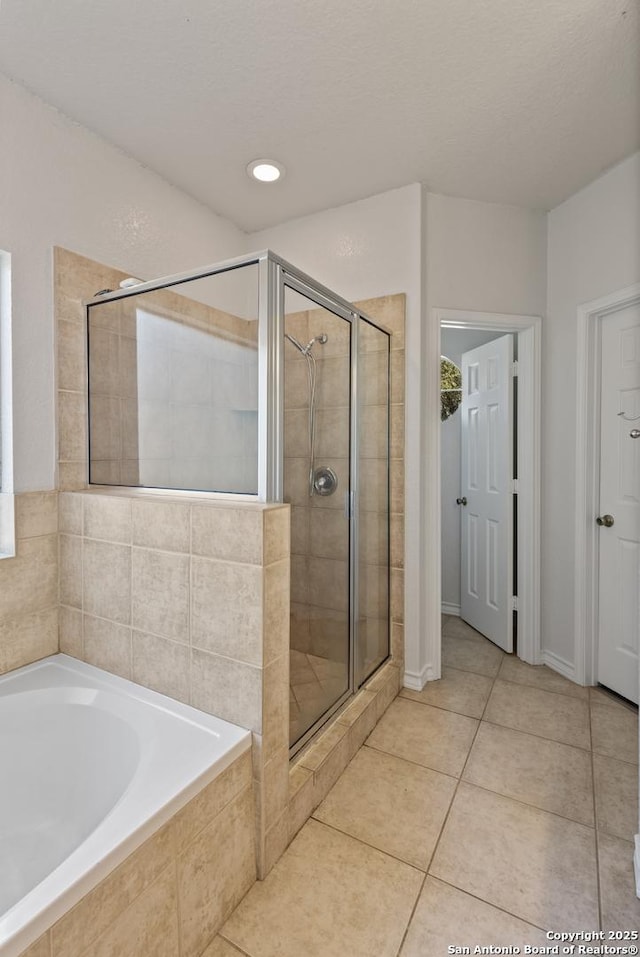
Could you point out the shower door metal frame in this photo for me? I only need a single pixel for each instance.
(287, 276)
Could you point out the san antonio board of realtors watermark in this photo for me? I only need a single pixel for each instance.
(614, 943)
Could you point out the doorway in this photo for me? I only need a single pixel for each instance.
(478, 478)
(607, 500)
(525, 333)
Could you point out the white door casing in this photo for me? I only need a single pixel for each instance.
(619, 545)
(486, 484)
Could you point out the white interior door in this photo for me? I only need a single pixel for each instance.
(619, 552)
(486, 578)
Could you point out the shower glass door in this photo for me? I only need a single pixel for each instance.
(317, 482)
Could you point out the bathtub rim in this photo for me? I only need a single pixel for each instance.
(28, 928)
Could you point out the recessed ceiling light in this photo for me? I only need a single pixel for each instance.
(265, 170)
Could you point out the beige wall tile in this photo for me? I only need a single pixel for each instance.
(397, 366)
(36, 514)
(107, 581)
(160, 593)
(70, 513)
(396, 445)
(72, 475)
(329, 583)
(215, 872)
(226, 609)
(275, 785)
(397, 540)
(360, 717)
(29, 582)
(70, 631)
(107, 645)
(232, 534)
(396, 477)
(276, 610)
(333, 381)
(296, 433)
(28, 638)
(397, 641)
(276, 534)
(41, 948)
(229, 689)
(329, 533)
(72, 426)
(104, 360)
(302, 798)
(275, 844)
(162, 664)
(332, 432)
(106, 429)
(162, 525)
(108, 517)
(72, 368)
(100, 908)
(206, 805)
(149, 926)
(71, 570)
(275, 707)
(300, 530)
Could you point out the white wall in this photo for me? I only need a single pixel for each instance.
(363, 250)
(61, 185)
(485, 257)
(453, 343)
(594, 249)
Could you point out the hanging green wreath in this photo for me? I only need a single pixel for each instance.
(450, 387)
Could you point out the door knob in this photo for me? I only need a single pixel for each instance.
(606, 520)
(463, 501)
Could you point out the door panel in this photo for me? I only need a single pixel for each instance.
(487, 518)
(619, 559)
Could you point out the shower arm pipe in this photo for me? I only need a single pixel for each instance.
(312, 371)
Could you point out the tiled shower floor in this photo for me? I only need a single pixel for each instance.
(495, 805)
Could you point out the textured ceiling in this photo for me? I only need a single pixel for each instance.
(511, 101)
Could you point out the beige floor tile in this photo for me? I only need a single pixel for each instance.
(455, 627)
(437, 924)
(601, 695)
(328, 895)
(615, 731)
(539, 676)
(391, 804)
(546, 774)
(459, 691)
(549, 715)
(535, 865)
(616, 784)
(620, 906)
(481, 657)
(436, 739)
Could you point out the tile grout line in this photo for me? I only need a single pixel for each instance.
(483, 901)
(457, 788)
(595, 821)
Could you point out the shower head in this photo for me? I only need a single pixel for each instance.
(322, 338)
(305, 350)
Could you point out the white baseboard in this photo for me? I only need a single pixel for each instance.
(636, 864)
(561, 665)
(416, 680)
(449, 609)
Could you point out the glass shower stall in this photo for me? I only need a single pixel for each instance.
(250, 378)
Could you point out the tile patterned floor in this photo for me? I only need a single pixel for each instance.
(497, 804)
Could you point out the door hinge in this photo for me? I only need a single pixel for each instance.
(514, 603)
(514, 486)
(514, 368)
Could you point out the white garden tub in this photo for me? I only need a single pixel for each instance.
(90, 766)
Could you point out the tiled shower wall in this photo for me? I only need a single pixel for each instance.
(29, 583)
(319, 534)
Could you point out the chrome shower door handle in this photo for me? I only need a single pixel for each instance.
(606, 520)
(461, 501)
